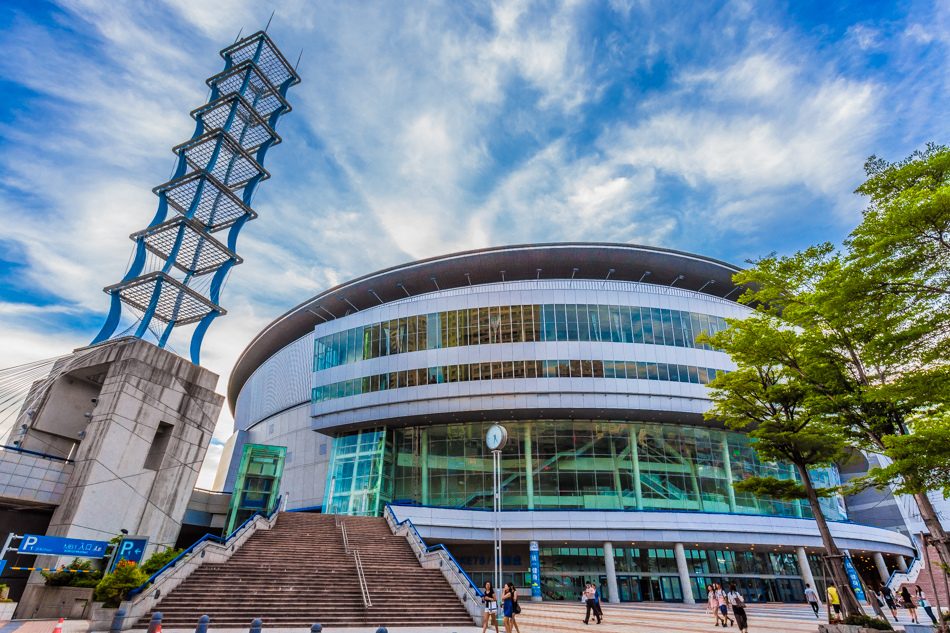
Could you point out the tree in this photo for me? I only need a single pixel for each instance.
(771, 405)
(870, 359)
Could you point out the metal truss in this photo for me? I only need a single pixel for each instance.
(217, 173)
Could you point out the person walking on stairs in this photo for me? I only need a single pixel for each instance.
(922, 601)
(516, 608)
(738, 609)
(834, 602)
(711, 603)
(889, 599)
(491, 607)
(812, 597)
(909, 605)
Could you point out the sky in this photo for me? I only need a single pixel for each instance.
(729, 129)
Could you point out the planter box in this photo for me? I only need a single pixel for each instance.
(100, 618)
(6, 611)
(41, 602)
(844, 628)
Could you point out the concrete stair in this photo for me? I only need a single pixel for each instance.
(298, 573)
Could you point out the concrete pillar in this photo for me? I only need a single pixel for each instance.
(618, 486)
(635, 457)
(612, 589)
(901, 563)
(528, 467)
(680, 553)
(805, 568)
(881, 566)
(727, 466)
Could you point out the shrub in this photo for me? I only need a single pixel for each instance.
(868, 622)
(159, 559)
(66, 576)
(112, 588)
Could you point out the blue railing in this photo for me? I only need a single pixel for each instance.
(38, 454)
(434, 548)
(206, 537)
(913, 539)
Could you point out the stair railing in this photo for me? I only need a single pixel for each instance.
(364, 588)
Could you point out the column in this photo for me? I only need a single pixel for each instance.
(901, 563)
(881, 566)
(806, 570)
(424, 433)
(618, 486)
(528, 467)
(727, 466)
(680, 553)
(612, 589)
(635, 456)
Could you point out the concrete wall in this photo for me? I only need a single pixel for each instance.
(31, 479)
(143, 446)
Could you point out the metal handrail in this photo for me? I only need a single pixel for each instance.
(364, 589)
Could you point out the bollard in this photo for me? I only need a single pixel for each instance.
(156, 622)
(203, 624)
(117, 621)
(316, 628)
(256, 626)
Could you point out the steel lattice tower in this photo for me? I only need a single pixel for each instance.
(217, 172)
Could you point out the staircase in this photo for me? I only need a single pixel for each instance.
(298, 573)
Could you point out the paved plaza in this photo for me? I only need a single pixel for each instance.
(555, 617)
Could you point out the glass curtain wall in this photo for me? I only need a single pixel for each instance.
(356, 484)
(562, 464)
(515, 324)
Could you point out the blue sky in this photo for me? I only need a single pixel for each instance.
(730, 129)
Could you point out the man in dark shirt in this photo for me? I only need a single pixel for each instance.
(889, 600)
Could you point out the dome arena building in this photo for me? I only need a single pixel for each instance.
(383, 388)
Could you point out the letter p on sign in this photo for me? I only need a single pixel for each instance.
(30, 541)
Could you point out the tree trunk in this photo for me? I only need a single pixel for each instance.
(849, 601)
(938, 536)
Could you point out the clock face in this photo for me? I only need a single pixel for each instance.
(496, 437)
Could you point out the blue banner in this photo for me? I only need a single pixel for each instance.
(3, 564)
(130, 548)
(57, 546)
(853, 577)
(535, 560)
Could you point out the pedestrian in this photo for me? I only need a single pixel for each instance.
(711, 604)
(812, 597)
(516, 608)
(889, 600)
(491, 607)
(909, 605)
(507, 605)
(723, 602)
(738, 609)
(589, 593)
(922, 601)
(600, 610)
(833, 601)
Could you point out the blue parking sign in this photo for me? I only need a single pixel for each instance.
(129, 548)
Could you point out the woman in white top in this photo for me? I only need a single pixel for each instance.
(922, 601)
(738, 609)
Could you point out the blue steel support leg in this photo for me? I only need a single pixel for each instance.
(138, 263)
(199, 334)
(168, 330)
(112, 321)
(193, 208)
(150, 311)
(162, 210)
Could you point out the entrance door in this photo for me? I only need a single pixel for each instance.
(670, 589)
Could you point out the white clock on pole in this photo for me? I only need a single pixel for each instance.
(497, 437)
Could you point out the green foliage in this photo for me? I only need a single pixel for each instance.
(782, 489)
(159, 559)
(868, 622)
(66, 576)
(112, 588)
